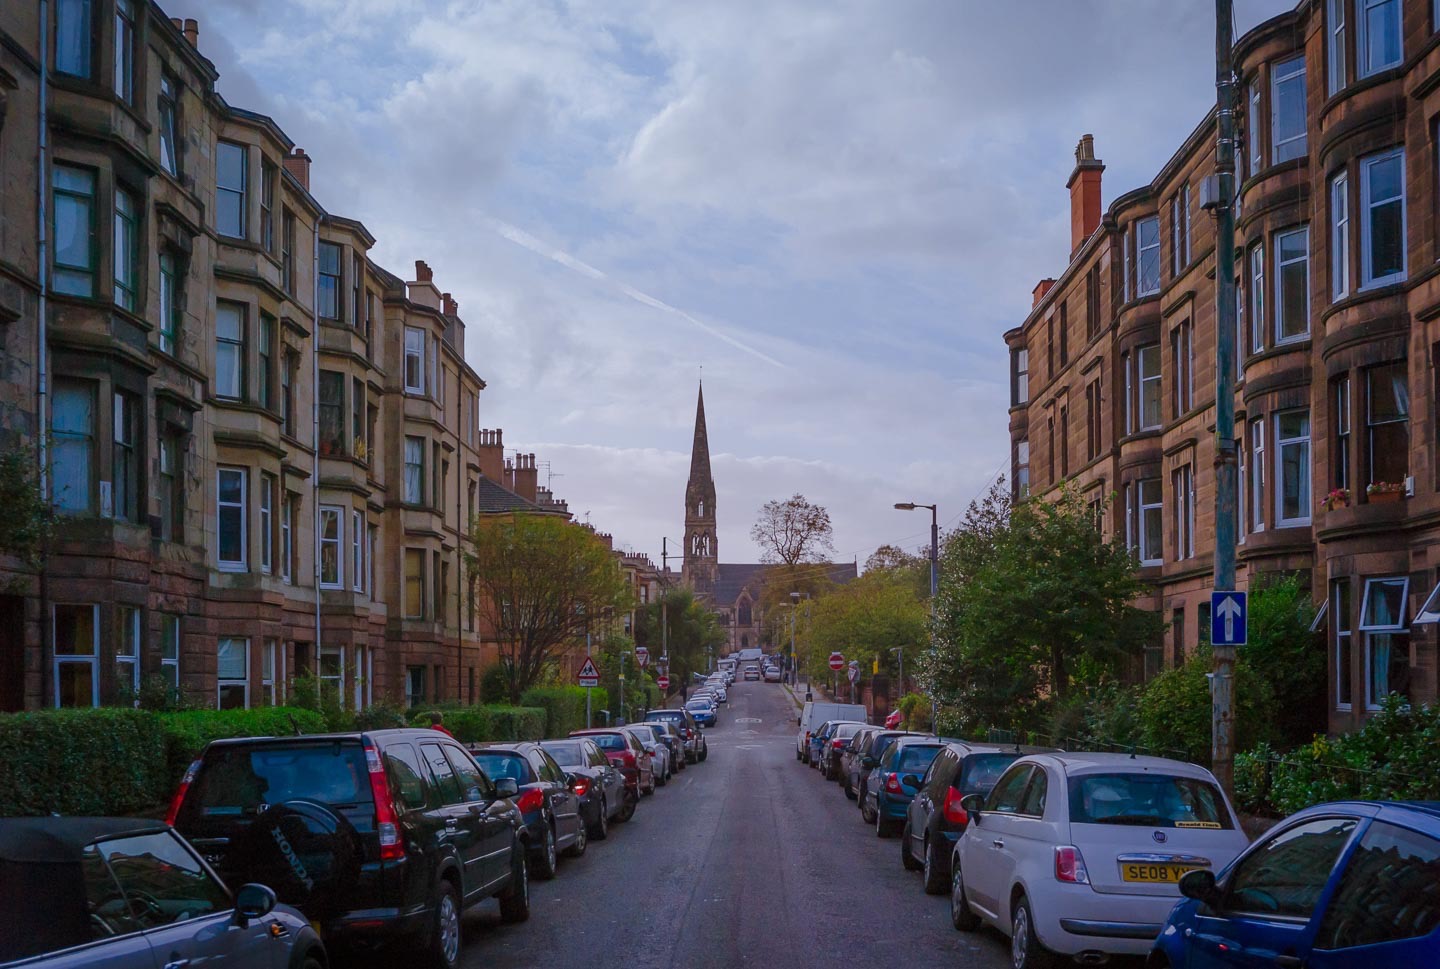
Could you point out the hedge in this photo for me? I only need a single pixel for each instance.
(83, 762)
(486, 722)
(564, 706)
(187, 732)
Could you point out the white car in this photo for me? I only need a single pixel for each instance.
(718, 688)
(1080, 854)
(659, 752)
(772, 674)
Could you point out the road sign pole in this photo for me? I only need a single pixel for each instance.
(587, 707)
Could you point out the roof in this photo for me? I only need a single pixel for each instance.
(61, 840)
(732, 578)
(1092, 761)
(493, 498)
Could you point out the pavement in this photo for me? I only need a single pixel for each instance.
(750, 858)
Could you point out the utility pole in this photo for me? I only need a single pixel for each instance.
(664, 619)
(1223, 681)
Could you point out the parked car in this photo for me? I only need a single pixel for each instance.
(628, 755)
(863, 753)
(126, 893)
(670, 735)
(818, 741)
(703, 711)
(891, 784)
(716, 685)
(813, 714)
(1348, 884)
(598, 784)
(395, 832)
(772, 675)
(834, 747)
(935, 820)
(1080, 855)
(695, 747)
(658, 750)
(752, 673)
(547, 800)
(851, 753)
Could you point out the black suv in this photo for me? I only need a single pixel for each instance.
(376, 837)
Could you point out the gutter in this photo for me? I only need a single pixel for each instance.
(42, 366)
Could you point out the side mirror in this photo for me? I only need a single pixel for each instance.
(507, 787)
(252, 902)
(1199, 885)
(974, 805)
(868, 762)
(911, 780)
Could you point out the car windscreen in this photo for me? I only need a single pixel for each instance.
(914, 758)
(610, 741)
(567, 753)
(846, 730)
(673, 716)
(1151, 800)
(497, 766)
(697, 705)
(981, 771)
(246, 780)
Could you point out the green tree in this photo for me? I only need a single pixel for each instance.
(1286, 657)
(541, 582)
(865, 619)
(1033, 604)
(27, 524)
(691, 634)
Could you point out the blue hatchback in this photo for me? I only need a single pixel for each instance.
(703, 712)
(1337, 886)
(893, 782)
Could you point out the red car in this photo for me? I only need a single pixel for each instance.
(625, 751)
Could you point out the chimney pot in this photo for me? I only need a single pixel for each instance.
(1041, 288)
(179, 24)
(192, 31)
(423, 273)
(297, 163)
(1084, 188)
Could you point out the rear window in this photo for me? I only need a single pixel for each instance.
(1151, 800)
(915, 759)
(847, 730)
(497, 766)
(610, 741)
(981, 771)
(567, 754)
(672, 716)
(246, 780)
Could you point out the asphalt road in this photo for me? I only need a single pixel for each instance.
(747, 859)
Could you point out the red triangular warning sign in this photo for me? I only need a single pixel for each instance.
(589, 675)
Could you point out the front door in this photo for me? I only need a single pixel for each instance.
(489, 863)
(461, 832)
(988, 859)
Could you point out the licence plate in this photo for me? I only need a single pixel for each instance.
(1153, 873)
(317, 927)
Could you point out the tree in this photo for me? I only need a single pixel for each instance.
(27, 524)
(692, 633)
(541, 583)
(793, 531)
(1033, 603)
(867, 618)
(891, 557)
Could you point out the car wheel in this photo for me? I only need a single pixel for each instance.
(600, 830)
(849, 788)
(443, 950)
(312, 962)
(937, 879)
(515, 899)
(906, 858)
(627, 810)
(884, 827)
(545, 861)
(582, 841)
(662, 778)
(704, 751)
(961, 915)
(1026, 952)
(864, 812)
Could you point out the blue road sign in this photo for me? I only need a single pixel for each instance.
(1229, 614)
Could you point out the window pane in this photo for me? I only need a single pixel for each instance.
(1292, 251)
(1390, 891)
(174, 882)
(74, 633)
(76, 684)
(1384, 605)
(1286, 874)
(230, 659)
(1288, 109)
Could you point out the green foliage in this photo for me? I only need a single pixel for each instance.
(564, 706)
(486, 722)
(1285, 656)
(155, 693)
(494, 684)
(186, 733)
(381, 716)
(1175, 709)
(693, 633)
(84, 762)
(310, 692)
(866, 619)
(915, 711)
(27, 524)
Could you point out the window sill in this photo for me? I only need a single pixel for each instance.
(232, 568)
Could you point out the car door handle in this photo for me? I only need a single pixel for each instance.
(998, 842)
(177, 963)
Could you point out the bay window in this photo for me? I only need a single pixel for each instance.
(1257, 297)
(170, 308)
(1377, 36)
(1257, 474)
(1147, 256)
(332, 412)
(414, 360)
(414, 481)
(267, 522)
(1287, 109)
(73, 204)
(1336, 74)
(75, 645)
(125, 50)
(414, 583)
(170, 650)
(1340, 235)
(73, 37)
(232, 673)
(331, 537)
(1148, 365)
(127, 249)
(1344, 648)
(230, 524)
(72, 431)
(168, 105)
(357, 551)
(1382, 218)
(1387, 423)
(127, 651)
(1341, 458)
(1292, 453)
(124, 462)
(1182, 482)
(329, 294)
(231, 175)
(1292, 285)
(230, 350)
(1387, 639)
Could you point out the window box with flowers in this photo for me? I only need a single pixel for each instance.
(1380, 492)
(1339, 498)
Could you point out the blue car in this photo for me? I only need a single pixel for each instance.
(1337, 886)
(893, 782)
(703, 712)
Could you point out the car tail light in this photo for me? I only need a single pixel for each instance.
(1070, 866)
(582, 786)
(530, 800)
(954, 813)
(837, 743)
(387, 822)
(181, 791)
(892, 784)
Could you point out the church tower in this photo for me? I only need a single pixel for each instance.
(701, 555)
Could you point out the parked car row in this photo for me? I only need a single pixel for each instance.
(342, 844)
(1083, 857)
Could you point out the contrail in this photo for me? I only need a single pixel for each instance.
(522, 238)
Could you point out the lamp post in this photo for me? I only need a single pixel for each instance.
(934, 586)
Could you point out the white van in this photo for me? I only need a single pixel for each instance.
(814, 714)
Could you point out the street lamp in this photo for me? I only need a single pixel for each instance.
(934, 585)
(794, 659)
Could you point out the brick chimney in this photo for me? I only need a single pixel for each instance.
(1084, 186)
(525, 476)
(423, 272)
(1041, 288)
(448, 304)
(491, 453)
(297, 163)
(422, 289)
(192, 32)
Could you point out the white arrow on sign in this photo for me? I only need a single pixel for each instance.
(1229, 611)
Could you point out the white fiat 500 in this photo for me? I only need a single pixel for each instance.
(1079, 854)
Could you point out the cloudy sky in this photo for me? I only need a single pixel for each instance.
(836, 207)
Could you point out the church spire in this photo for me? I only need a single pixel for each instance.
(701, 553)
(700, 450)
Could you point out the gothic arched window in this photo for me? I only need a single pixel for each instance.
(700, 508)
(745, 618)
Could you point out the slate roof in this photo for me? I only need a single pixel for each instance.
(491, 498)
(734, 577)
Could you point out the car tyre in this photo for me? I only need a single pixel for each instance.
(936, 879)
(704, 751)
(884, 827)
(600, 830)
(662, 779)
(443, 947)
(962, 916)
(906, 858)
(1026, 952)
(515, 899)
(627, 810)
(864, 812)
(546, 863)
(582, 841)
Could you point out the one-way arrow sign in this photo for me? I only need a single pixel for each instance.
(1228, 618)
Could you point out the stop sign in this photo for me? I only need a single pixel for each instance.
(662, 681)
(837, 661)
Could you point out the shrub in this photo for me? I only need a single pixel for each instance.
(495, 684)
(471, 725)
(1174, 709)
(186, 733)
(381, 716)
(915, 708)
(97, 762)
(516, 723)
(564, 706)
(313, 693)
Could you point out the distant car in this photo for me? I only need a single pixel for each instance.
(861, 759)
(1080, 855)
(813, 714)
(547, 800)
(891, 784)
(695, 746)
(1348, 884)
(599, 785)
(656, 747)
(772, 675)
(670, 734)
(629, 757)
(718, 687)
(834, 747)
(752, 673)
(850, 754)
(703, 711)
(127, 893)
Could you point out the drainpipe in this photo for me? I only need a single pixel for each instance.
(315, 436)
(42, 365)
(460, 530)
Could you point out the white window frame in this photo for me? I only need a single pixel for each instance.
(1158, 505)
(357, 550)
(1130, 392)
(1340, 235)
(243, 191)
(1284, 77)
(371, 531)
(1280, 266)
(222, 682)
(1429, 613)
(338, 514)
(415, 495)
(1399, 624)
(1362, 67)
(170, 636)
(1149, 378)
(1257, 295)
(287, 538)
(92, 659)
(1282, 445)
(1336, 74)
(1143, 253)
(414, 350)
(1243, 486)
(1252, 124)
(1343, 671)
(1257, 473)
(231, 347)
(269, 651)
(338, 680)
(1129, 245)
(129, 628)
(241, 564)
(267, 522)
(364, 665)
(1367, 204)
(1183, 481)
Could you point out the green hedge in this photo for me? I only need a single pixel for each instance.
(187, 732)
(490, 721)
(98, 762)
(564, 706)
